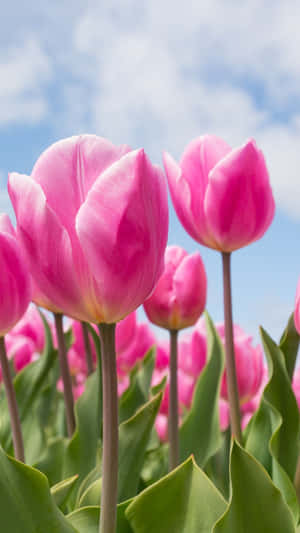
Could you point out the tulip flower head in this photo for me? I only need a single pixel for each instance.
(15, 283)
(180, 295)
(93, 222)
(221, 196)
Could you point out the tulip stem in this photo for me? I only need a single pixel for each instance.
(297, 479)
(173, 432)
(65, 374)
(87, 347)
(12, 404)
(232, 385)
(108, 515)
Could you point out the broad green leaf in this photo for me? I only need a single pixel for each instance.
(139, 389)
(134, 435)
(86, 520)
(289, 344)
(51, 462)
(81, 452)
(26, 504)
(273, 437)
(185, 501)
(256, 505)
(200, 432)
(62, 490)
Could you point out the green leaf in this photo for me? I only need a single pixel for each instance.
(200, 432)
(26, 504)
(256, 504)
(51, 462)
(134, 435)
(62, 490)
(28, 384)
(138, 391)
(86, 520)
(273, 437)
(185, 501)
(289, 344)
(81, 452)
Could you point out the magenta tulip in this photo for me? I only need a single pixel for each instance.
(93, 221)
(180, 295)
(222, 196)
(15, 284)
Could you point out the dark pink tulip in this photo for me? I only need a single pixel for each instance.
(15, 283)
(224, 414)
(125, 332)
(297, 308)
(222, 196)
(296, 384)
(93, 221)
(180, 294)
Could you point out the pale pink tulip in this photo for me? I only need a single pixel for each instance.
(93, 221)
(142, 341)
(192, 353)
(222, 196)
(224, 414)
(180, 295)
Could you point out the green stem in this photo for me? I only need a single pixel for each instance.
(173, 419)
(231, 377)
(87, 347)
(12, 404)
(297, 480)
(108, 515)
(65, 374)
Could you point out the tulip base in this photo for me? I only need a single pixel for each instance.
(109, 493)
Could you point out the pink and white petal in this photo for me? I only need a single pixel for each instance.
(67, 170)
(123, 226)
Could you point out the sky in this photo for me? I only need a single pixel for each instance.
(156, 75)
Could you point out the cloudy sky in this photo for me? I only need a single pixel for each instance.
(157, 74)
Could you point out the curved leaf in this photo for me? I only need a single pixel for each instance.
(256, 504)
(200, 432)
(185, 501)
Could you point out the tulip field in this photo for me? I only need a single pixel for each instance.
(105, 425)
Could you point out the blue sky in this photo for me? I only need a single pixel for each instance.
(157, 74)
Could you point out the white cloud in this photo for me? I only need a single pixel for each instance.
(158, 74)
(24, 70)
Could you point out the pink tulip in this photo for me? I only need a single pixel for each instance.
(222, 196)
(249, 366)
(192, 353)
(296, 384)
(162, 355)
(142, 341)
(125, 332)
(186, 385)
(15, 284)
(93, 221)
(180, 295)
(297, 308)
(224, 414)
(21, 350)
(31, 326)
(161, 426)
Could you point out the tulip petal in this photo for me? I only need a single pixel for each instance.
(239, 204)
(47, 246)
(81, 159)
(122, 227)
(15, 287)
(190, 285)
